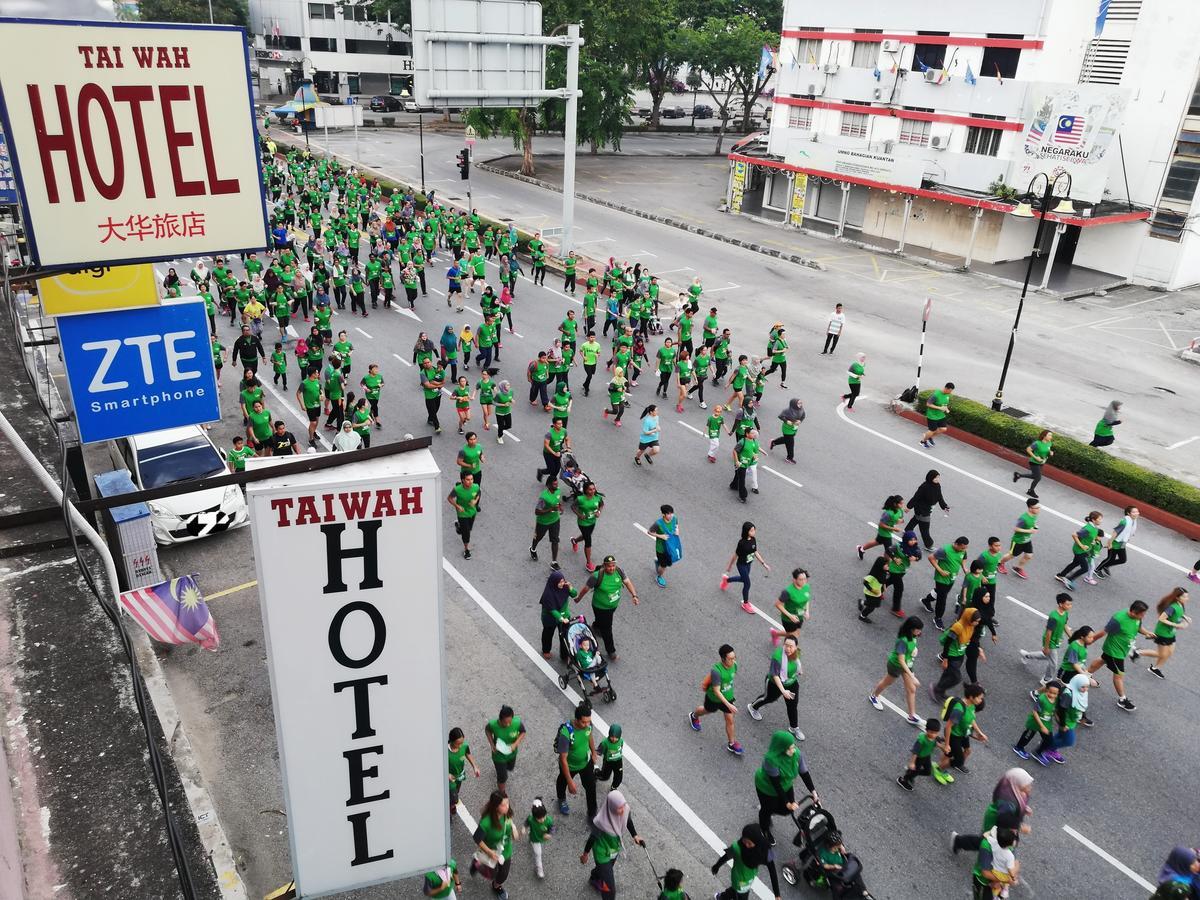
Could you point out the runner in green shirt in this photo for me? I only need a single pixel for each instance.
(443, 882)
(1120, 632)
(854, 377)
(793, 604)
(494, 837)
(464, 497)
(505, 733)
(590, 350)
(587, 506)
(719, 697)
(666, 366)
(260, 424)
(937, 409)
(372, 385)
(546, 515)
(1171, 618)
(920, 760)
(1052, 638)
(239, 454)
(308, 397)
(946, 563)
(960, 729)
(606, 584)
(1022, 539)
(459, 756)
(900, 666)
(1038, 453)
(539, 824)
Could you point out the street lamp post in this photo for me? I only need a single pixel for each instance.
(1025, 210)
(420, 138)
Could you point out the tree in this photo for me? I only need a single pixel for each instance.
(224, 12)
(657, 52)
(517, 124)
(725, 54)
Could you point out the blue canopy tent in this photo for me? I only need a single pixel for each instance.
(300, 108)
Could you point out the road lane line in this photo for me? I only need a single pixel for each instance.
(303, 420)
(402, 359)
(781, 475)
(685, 812)
(1036, 612)
(363, 333)
(228, 591)
(690, 427)
(841, 411)
(1179, 444)
(1110, 859)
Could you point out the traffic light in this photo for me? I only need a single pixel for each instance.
(464, 163)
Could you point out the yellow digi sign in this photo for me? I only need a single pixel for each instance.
(98, 289)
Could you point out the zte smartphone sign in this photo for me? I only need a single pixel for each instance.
(131, 142)
(138, 370)
(354, 644)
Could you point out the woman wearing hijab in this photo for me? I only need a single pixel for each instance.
(854, 376)
(504, 404)
(791, 417)
(1103, 435)
(954, 641)
(556, 612)
(773, 780)
(449, 350)
(927, 495)
(423, 349)
(605, 840)
(347, 438)
(1008, 809)
(1181, 868)
(900, 559)
(1072, 708)
(747, 853)
(985, 602)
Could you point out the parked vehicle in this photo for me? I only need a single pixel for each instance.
(385, 103)
(412, 106)
(672, 112)
(702, 111)
(175, 455)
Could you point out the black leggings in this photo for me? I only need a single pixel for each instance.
(769, 807)
(972, 659)
(614, 768)
(789, 444)
(1077, 566)
(896, 582)
(1046, 743)
(830, 342)
(771, 694)
(602, 873)
(852, 396)
(664, 382)
(782, 367)
(1115, 557)
(921, 521)
(602, 620)
(503, 423)
(951, 675)
(553, 465)
(739, 481)
(697, 388)
(549, 627)
(585, 535)
(939, 594)
(1034, 475)
(587, 382)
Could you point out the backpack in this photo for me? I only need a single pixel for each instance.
(909, 395)
(948, 705)
(570, 733)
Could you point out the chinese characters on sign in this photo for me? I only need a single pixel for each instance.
(157, 226)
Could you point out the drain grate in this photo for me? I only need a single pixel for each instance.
(1014, 412)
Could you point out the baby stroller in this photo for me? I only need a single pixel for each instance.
(572, 475)
(592, 678)
(817, 831)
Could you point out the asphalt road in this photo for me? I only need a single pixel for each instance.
(1072, 357)
(1121, 789)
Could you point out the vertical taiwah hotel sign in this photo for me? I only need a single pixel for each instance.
(131, 141)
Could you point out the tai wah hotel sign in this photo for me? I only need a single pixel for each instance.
(131, 141)
(350, 581)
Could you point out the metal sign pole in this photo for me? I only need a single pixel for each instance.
(921, 352)
(568, 214)
(421, 137)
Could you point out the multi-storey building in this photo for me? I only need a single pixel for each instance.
(904, 123)
(341, 47)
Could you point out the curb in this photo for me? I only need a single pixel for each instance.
(1107, 495)
(212, 834)
(663, 220)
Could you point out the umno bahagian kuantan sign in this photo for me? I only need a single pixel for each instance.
(131, 142)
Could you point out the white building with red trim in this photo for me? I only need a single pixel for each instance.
(905, 124)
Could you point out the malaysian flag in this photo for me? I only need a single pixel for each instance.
(1069, 130)
(173, 613)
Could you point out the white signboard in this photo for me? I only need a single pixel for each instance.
(131, 142)
(1071, 128)
(354, 643)
(339, 116)
(855, 162)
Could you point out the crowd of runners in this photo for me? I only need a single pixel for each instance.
(344, 247)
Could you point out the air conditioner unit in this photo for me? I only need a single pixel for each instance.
(877, 93)
(937, 142)
(830, 69)
(890, 46)
(815, 90)
(932, 76)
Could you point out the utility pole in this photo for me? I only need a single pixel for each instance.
(569, 140)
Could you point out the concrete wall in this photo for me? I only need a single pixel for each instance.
(1015, 240)
(933, 224)
(1110, 248)
(1009, 17)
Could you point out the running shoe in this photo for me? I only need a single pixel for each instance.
(1024, 754)
(898, 613)
(748, 607)
(1020, 573)
(466, 554)
(954, 842)
(1086, 722)
(904, 784)
(712, 459)
(861, 551)
(1016, 477)
(926, 445)
(735, 748)
(704, 405)
(927, 602)
(1032, 493)
(941, 777)
(939, 624)
(931, 443)
(649, 459)
(591, 567)
(1192, 576)
(1126, 704)
(533, 554)
(1102, 573)
(574, 545)
(1155, 671)
(618, 424)
(637, 461)
(564, 808)
(724, 582)
(1057, 757)
(962, 769)
(1041, 759)
(1134, 653)
(797, 734)
(1065, 582)
(662, 582)
(679, 407)
(875, 702)
(1033, 695)
(915, 721)
(754, 713)
(695, 721)
(604, 414)
(1088, 579)
(862, 617)
(1002, 569)
(499, 439)
(500, 892)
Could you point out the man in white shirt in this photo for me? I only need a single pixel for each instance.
(834, 329)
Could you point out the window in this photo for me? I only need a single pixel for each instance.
(1001, 59)
(1194, 107)
(1168, 224)
(320, 10)
(931, 55)
(357, 12)
(854, 124)
(1104, 62)
(286, 43)
(800, 117)
(983, 141)
(808, 50)
(865, 54)
(914, 131)
(1182, 178)
(353, 46)
(398, 84)
(323, 45)
(352, 85)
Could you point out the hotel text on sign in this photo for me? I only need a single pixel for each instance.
(131, 142)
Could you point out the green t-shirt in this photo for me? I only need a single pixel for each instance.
(747, 452)
(605, 846)
(950, 561)
(906, 649)
(1174, 613)
(497, 835)
(556, 437)
(1027, 520)
(239, 457)
(575, 742)
(467, 498)
(991, 564)
(606, 588)
(856, 373)
(962, 727)
(310, 392)
(539, 828)
(721, 683)
(590, 351)
(1056, 624)
(434, 374)
(278, 361)
(471, 458)
(1122, 628)
(505, 736)
(1040, 451)
(666, 358)
(486, 391)
(458, 762)
(1043, 711)
(504, 402)
(941, 399)
(587, 509)
(371, 385)
(889, 517)
(795, 599)
(548, 507)
(260, 424)
(951, 644)
(741, 875)
(713, 425)
(435, 878)
(612, 750)
(924, 746)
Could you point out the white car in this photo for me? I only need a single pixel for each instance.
(159, 458)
